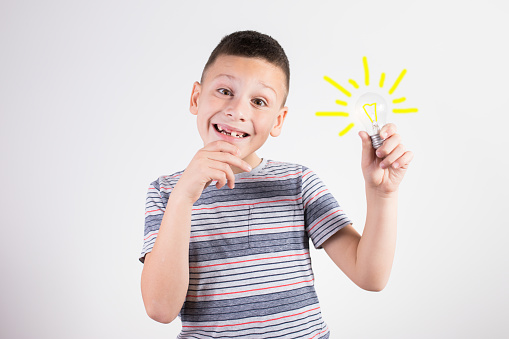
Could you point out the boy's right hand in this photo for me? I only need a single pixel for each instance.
(212, 162)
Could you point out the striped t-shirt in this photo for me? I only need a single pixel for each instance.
(249, 263)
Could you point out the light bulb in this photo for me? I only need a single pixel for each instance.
(371, 111)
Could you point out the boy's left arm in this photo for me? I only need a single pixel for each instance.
(367, 260)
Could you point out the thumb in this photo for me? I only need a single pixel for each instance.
(368, 152)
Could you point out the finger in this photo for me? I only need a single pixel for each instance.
(388, 146)
(226, 169)
(368, 152)
(388, 130)
(207, 184)
(229, 159)
(393, 156)
(218, 175)
(404, 160)
(222, 146)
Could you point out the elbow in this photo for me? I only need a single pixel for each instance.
(373, 288)
(162, 312)
(160, 307)
(373, 285)
(161, 316)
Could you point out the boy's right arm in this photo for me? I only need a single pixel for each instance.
(165, 276)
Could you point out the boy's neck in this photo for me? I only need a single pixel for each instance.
(253, 160)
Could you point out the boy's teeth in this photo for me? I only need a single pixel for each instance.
(232, 133)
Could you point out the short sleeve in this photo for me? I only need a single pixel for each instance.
(155, 206)
(322, 213)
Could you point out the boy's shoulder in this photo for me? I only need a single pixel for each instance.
(273, 165)
(166, 182)
(281, 166)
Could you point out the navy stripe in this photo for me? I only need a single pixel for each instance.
(265, 305)
(243, 246)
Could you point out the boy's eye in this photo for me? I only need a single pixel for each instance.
(225, 91)
(259, 102)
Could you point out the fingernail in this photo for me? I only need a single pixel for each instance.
(382, 165)
(379, 154)
(395, 165)
(249, 168)
(383, 135)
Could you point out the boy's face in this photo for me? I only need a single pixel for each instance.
(240, 101)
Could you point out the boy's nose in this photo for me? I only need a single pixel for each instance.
(235, 110)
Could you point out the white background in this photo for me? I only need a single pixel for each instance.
(94, 106)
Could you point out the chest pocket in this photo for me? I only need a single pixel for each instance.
(219, 234)
(276, 226)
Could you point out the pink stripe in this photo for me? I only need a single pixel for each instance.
(319, 333)
(324, 218)
(238, 262)
(154, 210)
(150, 236)
(163, 187)
(314, 197)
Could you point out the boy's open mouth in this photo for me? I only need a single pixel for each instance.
(225, 131)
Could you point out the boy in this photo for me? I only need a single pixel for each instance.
(234, 262)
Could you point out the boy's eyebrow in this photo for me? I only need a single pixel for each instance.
(267, 86)
(231, 77)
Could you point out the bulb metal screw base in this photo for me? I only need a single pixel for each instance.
(376, 141)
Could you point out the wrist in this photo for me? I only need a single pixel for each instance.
(179, 199)
(376, 192)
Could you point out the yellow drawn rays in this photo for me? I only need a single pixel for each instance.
(356, 86)
(400, 100)
(405, 110)
(332, 114)
(338, 86)
(353, 83)
(346, 129)
(366, 70)
(398, 80)
(382, 80)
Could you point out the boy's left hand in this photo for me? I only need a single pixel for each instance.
(384, 169)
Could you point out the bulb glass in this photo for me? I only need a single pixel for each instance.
(371, 111)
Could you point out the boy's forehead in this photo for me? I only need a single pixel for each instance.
(245, 68)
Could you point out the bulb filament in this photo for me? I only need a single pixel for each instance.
(375, 122)
(364, 108)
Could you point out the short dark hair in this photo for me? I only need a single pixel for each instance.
(252, 44)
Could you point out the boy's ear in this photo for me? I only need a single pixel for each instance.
(195, 95)
(276, 130)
